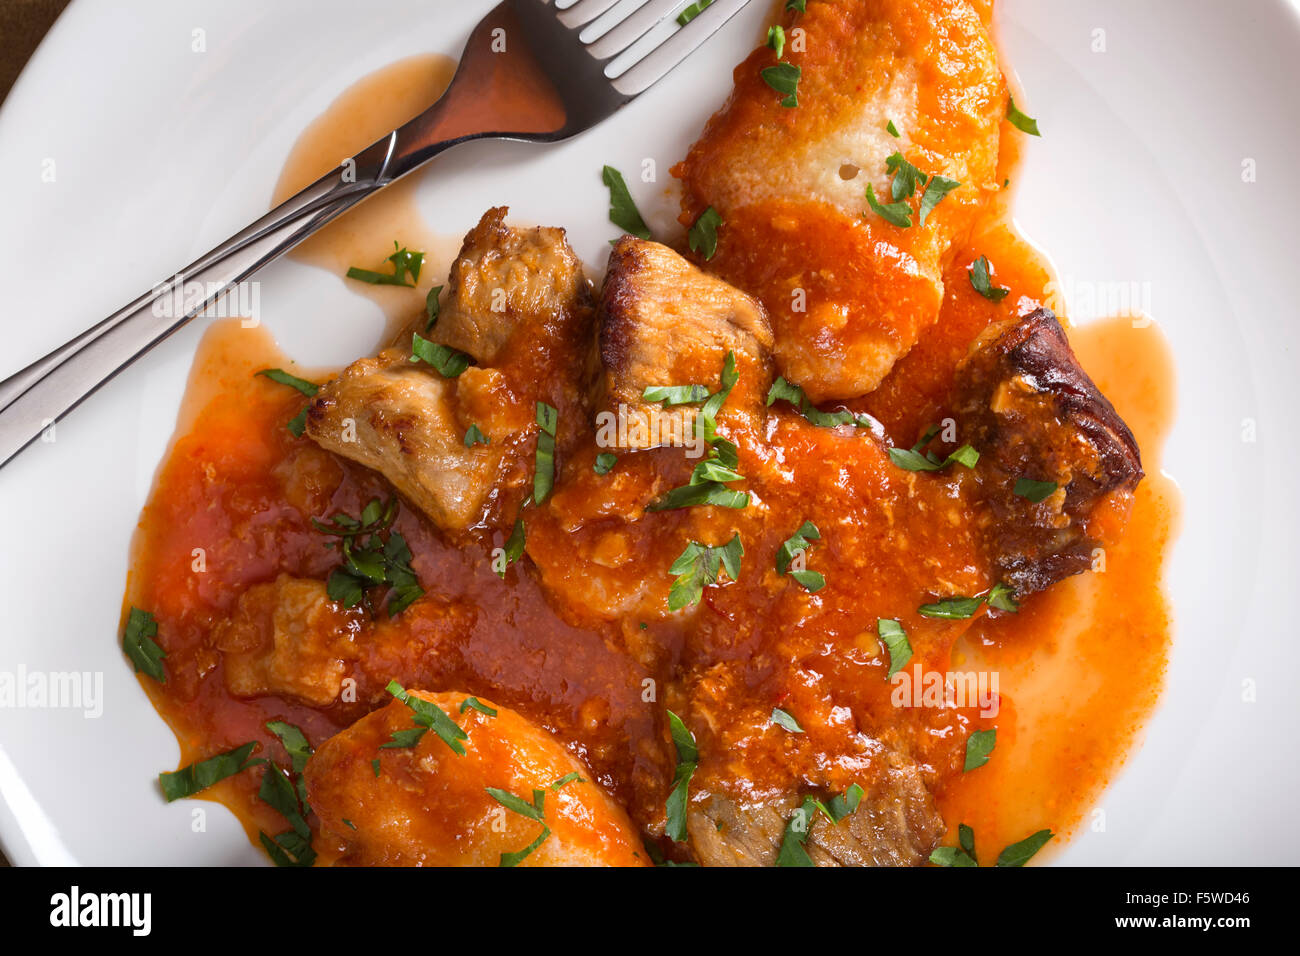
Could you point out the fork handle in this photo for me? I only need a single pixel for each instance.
(32, 399)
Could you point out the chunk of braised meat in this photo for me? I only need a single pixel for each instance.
(896, 824)
(386, 801)
(400, 418)
(287, 638)
(1033, 413)
(663, 322)
(507, 284)
(518, 303)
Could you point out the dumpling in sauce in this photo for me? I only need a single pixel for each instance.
(383, 801)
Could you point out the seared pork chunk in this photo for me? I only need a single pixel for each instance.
(896, 824)
(506, 281)
(517, 300)
(1033, 413)
(663, 322)
(399, 418)
(286, 637)
(428, 805)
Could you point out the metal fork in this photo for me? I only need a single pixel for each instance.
(533, 70)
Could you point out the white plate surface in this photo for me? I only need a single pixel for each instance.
(160, 152)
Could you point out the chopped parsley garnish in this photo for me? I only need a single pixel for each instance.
(952, 856)
(289, 848)
(200, 775)
(404, 263)
(708, 479)
(284, 378)
(139, 646)
(373, 556)
(1026, 124)
(670, 395)
(982, 283)
(794, 546)
(1018, 854)
(1034, 491)
(604, 462)
(785, 721)
(698, 567)
(776, 39)
(622, 210)
(915, 461)
(953, 608)
(800, 6)
(907, 178)
(1003, 597)
(431, 308)
(428, 716)
(278, 793)
(797, 830)
(912, 459)
(688, 757)
(708, 417)
(298, 423)
(514, 549)
(447, 361)
(703, 236)
(474, 436)
(892, 129)
(693, 11)
(1000, 596)
(784, 78)
(533, 811)
(966, 838)
(895, 640)
(544, 473)
(571, 777)
(299, 750)
(289, 799)
(939, 187)
(846, 803)
(978, 747)
(897, 213)
(782, 390)
(473, 703)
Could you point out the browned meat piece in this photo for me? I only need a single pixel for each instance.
(663, 322)
(1032, 412)
(896, 824)
(517, 296)
(286, 637)
(427, 805)
(508, 280)
(399, 418)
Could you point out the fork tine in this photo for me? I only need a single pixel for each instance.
(654, 65)
(584, 11)
(633, 28)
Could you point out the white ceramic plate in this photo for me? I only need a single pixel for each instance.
(160, 152)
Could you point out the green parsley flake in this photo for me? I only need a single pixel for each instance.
(622, 210)
(404, 263)
(139, 646)
(895, 640)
